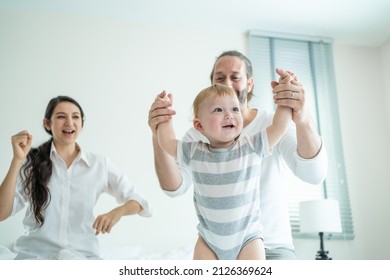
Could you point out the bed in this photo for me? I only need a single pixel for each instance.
(118, 253)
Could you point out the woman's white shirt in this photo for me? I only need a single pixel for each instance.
(69, 216)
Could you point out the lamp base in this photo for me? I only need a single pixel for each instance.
(323, 255)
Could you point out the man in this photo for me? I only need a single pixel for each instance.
(300, 151)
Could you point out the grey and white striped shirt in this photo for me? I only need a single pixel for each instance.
(226, 191)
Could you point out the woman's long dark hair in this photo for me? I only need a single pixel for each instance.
(37, 169)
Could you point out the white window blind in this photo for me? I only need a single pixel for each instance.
(311, 59)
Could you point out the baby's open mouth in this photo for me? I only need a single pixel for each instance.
(228, 126)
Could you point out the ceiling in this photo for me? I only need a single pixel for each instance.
(364, 23)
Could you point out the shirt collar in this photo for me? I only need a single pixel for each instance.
(81, 156)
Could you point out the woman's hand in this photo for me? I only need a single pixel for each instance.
(21, 144)
(105, 222)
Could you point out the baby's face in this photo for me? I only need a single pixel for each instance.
(221, 119)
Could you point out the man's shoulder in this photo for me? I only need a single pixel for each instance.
(260, 122)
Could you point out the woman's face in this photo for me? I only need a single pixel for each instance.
(65, 124)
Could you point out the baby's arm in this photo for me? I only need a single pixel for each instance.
(279, 126)
(282, 118)
(166, 136)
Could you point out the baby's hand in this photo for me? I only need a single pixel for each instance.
(164, 96)
(168, 97)
(286, 76)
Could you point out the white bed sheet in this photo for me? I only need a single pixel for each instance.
(119, 253)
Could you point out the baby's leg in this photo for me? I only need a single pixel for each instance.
(254, 250)
(202, 251)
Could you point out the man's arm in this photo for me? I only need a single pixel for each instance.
(309, 142)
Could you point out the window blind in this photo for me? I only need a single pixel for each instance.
(311, 59)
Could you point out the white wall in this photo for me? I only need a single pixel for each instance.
(385, 56)
(115, 69)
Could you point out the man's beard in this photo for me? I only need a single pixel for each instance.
(242, 95)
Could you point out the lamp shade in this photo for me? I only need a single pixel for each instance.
(320, 216)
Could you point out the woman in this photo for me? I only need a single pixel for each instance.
(62, 183)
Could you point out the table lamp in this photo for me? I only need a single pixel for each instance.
(320, 216)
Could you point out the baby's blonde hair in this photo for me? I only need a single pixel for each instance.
(214, 90)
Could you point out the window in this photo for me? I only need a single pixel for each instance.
(311, 59)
